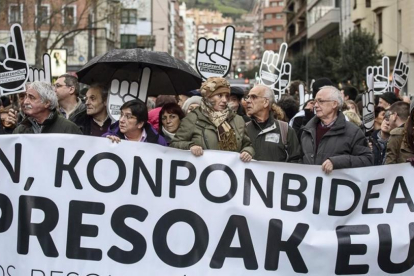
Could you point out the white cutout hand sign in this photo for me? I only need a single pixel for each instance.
(44, 74)
(273, 68)
(303, 98)
(380, 75)
(368, 105)
(122, 92)
(213, 57)
(14, 69)
(400, 75)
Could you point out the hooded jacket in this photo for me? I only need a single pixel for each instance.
(344, 144)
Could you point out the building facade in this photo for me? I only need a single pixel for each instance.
(274, 21)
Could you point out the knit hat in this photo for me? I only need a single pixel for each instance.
(237, 91)
(319, 83)
(389, 97)
(190, 101)
(214, 86)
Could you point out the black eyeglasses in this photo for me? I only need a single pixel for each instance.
(253, 97)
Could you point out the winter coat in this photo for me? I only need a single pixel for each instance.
(152, 134)
(377, 150)
(84, 122)
(268, 145)
(397, 149)
(56, 124)
(344, 145)
(196, 129)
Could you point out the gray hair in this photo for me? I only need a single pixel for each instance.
(46, 93)
(268, 93)
(335, 95)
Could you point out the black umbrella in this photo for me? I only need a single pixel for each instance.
(169, 76)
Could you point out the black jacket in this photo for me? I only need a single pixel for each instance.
(378, 151)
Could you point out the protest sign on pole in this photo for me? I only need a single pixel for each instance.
(213, 58)
(78, 205)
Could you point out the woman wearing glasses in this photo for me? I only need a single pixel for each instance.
(133, 125)
(213, 125)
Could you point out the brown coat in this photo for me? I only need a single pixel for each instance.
(397, 148)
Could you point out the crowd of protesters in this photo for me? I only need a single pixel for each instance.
(328, 131)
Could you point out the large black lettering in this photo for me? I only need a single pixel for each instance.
(121, 172)
(203, 183)
(14, 173)
(287, 177)
(318, 194)
(249, 179)
(334, 194)
(369, 195)
(41, 230)
(161, 229)
(385, 248)
(139, 245)
(275, 245)
(140, 166)
(6, 218)
(346, 249)
(174, 182)
(246, 249)
(70, 168)
(77, 230)
(399, 182)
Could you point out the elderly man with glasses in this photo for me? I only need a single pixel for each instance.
(329, 140)
(272, 140)
(67, 92)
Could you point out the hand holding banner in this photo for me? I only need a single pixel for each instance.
(14, 69)
(400, 76)
(44, 74)
(213, 57)
(380, 75)
(122, 92)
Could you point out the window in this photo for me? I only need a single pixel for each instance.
(269, 16)
(42, 14)
(268, 29)
(368, 3)
(69, 16)
(355, 4)
(69, 44)
(273, 4)
(379, 27)
(279, 28)
(129, 16)
(281, 4)
(279, 40)
(15, 14)
(269, 41)
(279, 16)
(128, 41)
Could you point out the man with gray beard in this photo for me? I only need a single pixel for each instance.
(41, 116)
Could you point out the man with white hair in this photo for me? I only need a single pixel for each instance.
(329, 140)
(272, 140)
(41, 116)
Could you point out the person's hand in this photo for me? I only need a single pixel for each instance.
(400, 76)
(113, 138)
(14, 69)
(196, 150)
(327, 166)
(44, 74)
(245, 157)
(11, 119)
(213, 58)
(122, 92)
(380, 74)
(273, 66)
(411, 160)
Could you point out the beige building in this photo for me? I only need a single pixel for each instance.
(161, 25)
(392, 22)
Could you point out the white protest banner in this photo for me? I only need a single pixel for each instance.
(77, 205)
(274, 71)
(400, 75)
(122, 92)
(213, 58)
(14, 70)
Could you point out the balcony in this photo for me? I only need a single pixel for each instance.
(272, 47)
(325, 24)
(273, 22)
(275, 34)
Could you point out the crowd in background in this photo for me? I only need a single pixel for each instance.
(328, 130)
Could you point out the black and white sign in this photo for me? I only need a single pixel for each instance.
(91, 207)
(39, 74)
(14, 70)
(368, 104)
(123, 91)
(381, 76)
(213, 58)
(400, 75)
